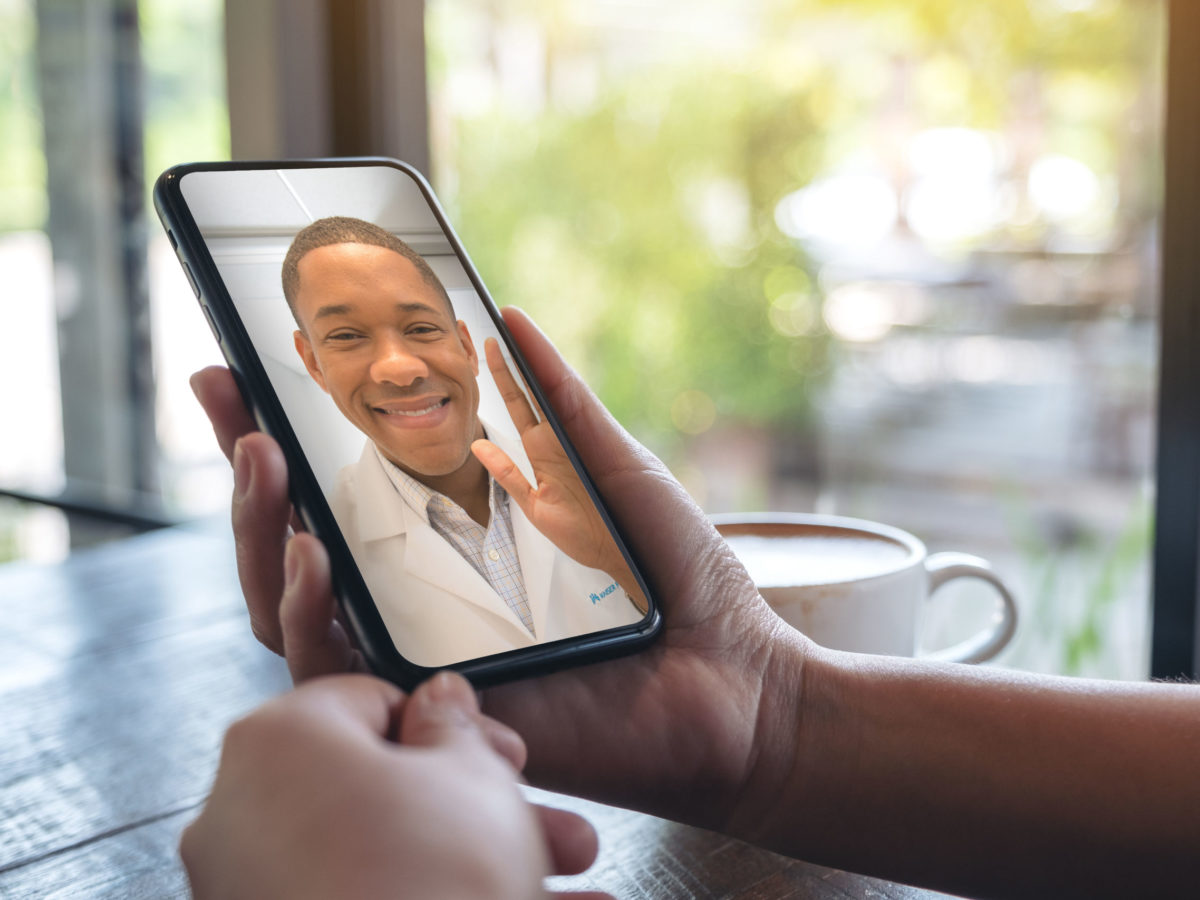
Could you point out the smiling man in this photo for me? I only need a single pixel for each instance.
(457, 569)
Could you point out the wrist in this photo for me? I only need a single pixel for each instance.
(615, 567)
(800, 724)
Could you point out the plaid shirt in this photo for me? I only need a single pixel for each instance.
(491, 551)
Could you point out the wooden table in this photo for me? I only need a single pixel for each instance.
(119, 672)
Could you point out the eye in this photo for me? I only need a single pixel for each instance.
(423, 329)
(343, 336)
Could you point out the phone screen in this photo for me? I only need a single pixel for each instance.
(391, 368)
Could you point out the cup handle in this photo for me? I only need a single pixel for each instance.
(943, 567)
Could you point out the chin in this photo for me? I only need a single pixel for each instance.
(430, 467)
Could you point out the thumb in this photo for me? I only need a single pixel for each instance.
(501, 467)
(444, 712)
(441, 712)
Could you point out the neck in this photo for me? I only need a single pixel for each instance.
(467, 486)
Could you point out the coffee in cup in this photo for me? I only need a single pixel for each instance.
(850, 584)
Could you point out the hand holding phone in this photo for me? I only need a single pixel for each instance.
(643, 731)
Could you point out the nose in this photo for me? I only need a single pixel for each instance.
(395, 364)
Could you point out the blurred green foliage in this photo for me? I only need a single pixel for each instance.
(638, 226)
(183, 52)
(22, 166)
(184, 91)
(641, 235)
(1076, 580)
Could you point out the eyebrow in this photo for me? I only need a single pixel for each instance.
(339, 309)
(342, 309)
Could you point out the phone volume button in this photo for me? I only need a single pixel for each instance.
(187, 270)
(212, 323)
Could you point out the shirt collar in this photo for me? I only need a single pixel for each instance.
(423, 498)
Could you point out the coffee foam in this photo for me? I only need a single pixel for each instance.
(822, 556)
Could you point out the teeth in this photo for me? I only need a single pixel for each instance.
(413, 412)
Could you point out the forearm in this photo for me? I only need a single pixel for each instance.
(989, 782)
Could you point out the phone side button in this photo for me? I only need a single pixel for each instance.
(187, 270)
(212, 323)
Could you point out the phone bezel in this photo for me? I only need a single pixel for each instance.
(354, 598)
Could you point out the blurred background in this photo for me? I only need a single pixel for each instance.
(895, 259)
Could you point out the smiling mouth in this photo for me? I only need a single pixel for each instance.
(413, 413)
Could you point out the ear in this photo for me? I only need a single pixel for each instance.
(309, 358)
(464, 336)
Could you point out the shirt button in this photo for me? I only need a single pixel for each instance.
(493, 555)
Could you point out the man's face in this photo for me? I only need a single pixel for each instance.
(381, 342)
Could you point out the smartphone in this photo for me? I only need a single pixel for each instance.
(463, 531)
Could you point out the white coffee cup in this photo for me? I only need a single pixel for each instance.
(850, 584)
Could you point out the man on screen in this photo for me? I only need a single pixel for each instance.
(457, 569)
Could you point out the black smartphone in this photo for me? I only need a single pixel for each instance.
(463, 531)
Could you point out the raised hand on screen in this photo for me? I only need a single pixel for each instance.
(558, 505)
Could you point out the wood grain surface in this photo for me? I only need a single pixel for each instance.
(120, 670)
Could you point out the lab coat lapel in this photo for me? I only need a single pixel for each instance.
(427, 555)
(537, 556)
(378, 507)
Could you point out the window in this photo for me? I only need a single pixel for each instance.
(879, 259)
(100, 97)
(871, 258)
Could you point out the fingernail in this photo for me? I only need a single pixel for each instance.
(291, 566)
(452, 690)
(241, 469)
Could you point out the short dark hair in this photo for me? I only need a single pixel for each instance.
(348, 230)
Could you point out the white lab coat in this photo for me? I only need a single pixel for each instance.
(437, 608)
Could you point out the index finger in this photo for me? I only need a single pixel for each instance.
(217, 392)
(514, 398)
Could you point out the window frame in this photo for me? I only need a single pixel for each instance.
(1176, 587)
